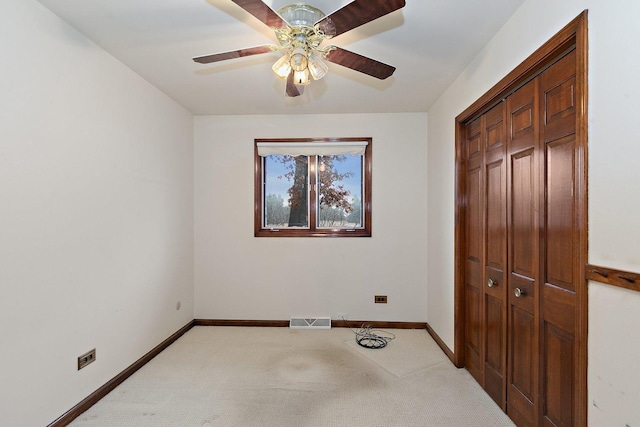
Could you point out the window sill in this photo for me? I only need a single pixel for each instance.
(312, 233)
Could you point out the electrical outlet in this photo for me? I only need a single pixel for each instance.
(380, 299)
(85, 359)
(342, 316)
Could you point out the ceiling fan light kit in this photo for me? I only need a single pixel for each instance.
(282, 67)
(301, 29)
(317, 67)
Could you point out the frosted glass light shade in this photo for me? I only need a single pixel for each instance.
(301, 78)
(298, 59)
(282, 67)
(317, 67)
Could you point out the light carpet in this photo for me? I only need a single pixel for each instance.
(234, 376)
(409, 353)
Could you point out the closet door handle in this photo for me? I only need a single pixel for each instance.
(519, 292)
(491, 283)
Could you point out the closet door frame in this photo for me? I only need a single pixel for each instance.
(573, 36)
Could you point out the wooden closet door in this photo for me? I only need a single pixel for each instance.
(485, 289)
(495, 253)
(523, 204)
(521, 236)
(559, 265)
(474, 324)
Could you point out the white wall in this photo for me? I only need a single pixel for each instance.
(614, 91)
(238, 276)
(96, 216)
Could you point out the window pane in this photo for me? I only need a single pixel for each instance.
(286, 202)
(340, 191)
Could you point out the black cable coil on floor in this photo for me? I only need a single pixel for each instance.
(369, 338)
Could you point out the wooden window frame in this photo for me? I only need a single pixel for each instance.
(313, 230)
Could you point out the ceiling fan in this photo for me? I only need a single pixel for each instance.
(301, 29)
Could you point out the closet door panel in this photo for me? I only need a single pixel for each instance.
(558, 356)
(558, 367)
(524, 257)
(474, 216)
(473, 331)
(495, 356)
(496, 220)
(559, 98)
(474, 322)
(473, 141)
(558, 305)
(494, 377)
(522, 351)
(523, 337)
(560, 214)
(523, 251)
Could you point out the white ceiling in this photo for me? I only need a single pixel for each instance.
(429, 42)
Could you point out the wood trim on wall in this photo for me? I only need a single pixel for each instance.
(255, 323)
(532, 66)
(285, 323)
(614, 277)
(572, 36)
(377, 325)
(101, 392)
(441, 343)
(581, 30)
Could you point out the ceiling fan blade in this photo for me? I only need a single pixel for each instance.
(292, 89)
(360, 63)
(357, 13)
(234, 54)
(263, 12)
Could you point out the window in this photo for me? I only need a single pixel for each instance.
(313, 187)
